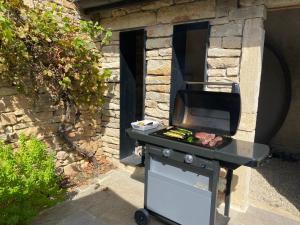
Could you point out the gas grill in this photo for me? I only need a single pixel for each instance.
(181, 173)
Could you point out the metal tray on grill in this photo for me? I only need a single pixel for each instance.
(160, 133)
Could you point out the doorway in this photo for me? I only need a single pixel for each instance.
(190, 42)
(132, 89)
(276, 184)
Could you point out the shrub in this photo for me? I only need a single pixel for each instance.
(28, 182)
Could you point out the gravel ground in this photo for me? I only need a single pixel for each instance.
(277, 185)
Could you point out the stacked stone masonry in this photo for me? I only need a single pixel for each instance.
(19, 114)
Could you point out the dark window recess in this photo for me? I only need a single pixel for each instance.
(132, 88)
(189, 56)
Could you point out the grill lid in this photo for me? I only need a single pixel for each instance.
(215, 112)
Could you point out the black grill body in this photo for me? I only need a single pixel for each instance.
(179, 173)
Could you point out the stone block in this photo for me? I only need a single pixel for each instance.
(215, 42)
(159, 97)
(158, 79)
(23, 125)
(130, 21)
(247, 122)
(111, 50)
(8, 91)
(152, 53)
(159, 67)
(111, 113)
(158, 43)
(232, 71)
(251, 64)
(185, 12)
(112, 140)
(111, 132)
(216, 72)
(280, 3)
(111, 106)
(110, 119)
(165, 52)
(232, 42)
(160, 31)
(164, 106)
(111, 65)
(133, 8)
(36, 131)
(111, 125)
(7, 119)
(158, 88)
(7, 104)
(248, 13)
(157, 113)
(153, 5)
(220, 52)
(62, 155)
(118, 12)
(245, 3)
(219, 21)
(234, 28)
(151, 104)
(110, 145)
(72, 169)
(182, 1)
(221, 63)
(110, 150)
(223, 79)
(245, 135)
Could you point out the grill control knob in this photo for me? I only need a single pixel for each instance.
(166, 152)
(188, 159)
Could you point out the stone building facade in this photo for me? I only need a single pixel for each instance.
(235, 54)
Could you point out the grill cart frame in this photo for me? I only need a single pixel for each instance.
(181, 178)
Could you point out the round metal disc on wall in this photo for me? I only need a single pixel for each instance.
(274, 96)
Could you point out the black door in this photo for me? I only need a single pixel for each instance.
(132, 88)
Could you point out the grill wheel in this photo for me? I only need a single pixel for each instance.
(142, 217)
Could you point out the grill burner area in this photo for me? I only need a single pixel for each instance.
(189, 137)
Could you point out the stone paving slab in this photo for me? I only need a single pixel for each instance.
(113, 199)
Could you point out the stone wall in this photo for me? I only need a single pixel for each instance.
(19, 114)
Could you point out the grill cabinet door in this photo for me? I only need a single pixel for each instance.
(179, 195)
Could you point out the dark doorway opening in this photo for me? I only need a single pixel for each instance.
(132, 89)
(190, 43)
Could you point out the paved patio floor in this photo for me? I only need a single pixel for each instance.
(114, 197)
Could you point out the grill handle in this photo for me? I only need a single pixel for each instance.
(235, 87)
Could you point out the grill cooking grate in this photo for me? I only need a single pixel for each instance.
(191, 139)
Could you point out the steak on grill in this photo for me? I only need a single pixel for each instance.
(208, 139)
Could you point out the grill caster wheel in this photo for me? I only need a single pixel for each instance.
(142, 217)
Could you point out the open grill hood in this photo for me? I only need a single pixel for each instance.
(215, 112)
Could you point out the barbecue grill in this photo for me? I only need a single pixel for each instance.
(181, 173)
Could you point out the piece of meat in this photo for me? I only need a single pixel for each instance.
(204, 137)
(215, 141)
(209, 138)
(201, 135)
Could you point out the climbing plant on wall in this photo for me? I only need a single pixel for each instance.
(43, 48)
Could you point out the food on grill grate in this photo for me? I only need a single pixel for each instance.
(215, 141)
(178, 133)
(208, 139)
(175, 135)
(188, 132)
